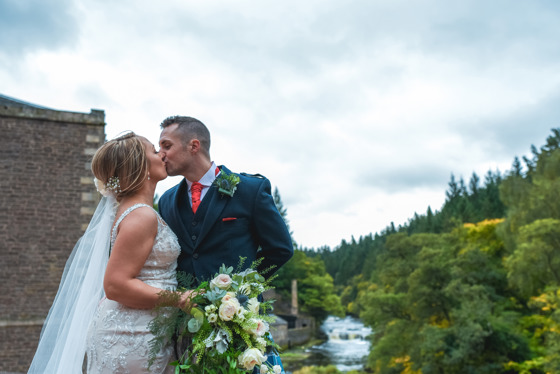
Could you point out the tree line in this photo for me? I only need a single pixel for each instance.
(473, 287)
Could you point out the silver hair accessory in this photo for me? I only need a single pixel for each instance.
(111, 188)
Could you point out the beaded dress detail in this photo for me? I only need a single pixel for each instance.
(118, 337)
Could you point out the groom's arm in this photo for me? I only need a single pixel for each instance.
(273, 237)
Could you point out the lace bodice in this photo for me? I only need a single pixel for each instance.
(161, 265)
(119, 337)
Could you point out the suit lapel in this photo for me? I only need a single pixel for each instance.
(216, 205)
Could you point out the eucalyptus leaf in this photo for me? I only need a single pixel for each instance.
(194, 325)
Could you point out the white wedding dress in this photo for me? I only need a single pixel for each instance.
(118, 337)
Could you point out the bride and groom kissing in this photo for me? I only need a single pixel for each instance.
(130, 253)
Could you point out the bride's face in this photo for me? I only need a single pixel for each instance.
(156, 165)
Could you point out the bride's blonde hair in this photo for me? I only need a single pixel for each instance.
(121, 165)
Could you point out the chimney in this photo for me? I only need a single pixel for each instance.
(294, 310)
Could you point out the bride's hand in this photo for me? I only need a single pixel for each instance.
(185, 302)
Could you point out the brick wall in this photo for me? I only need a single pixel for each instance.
(46, 200)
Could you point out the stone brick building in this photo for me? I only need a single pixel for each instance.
(46, 200)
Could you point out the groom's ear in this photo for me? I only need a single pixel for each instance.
(194, 145)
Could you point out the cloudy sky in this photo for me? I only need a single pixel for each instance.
(358, 111)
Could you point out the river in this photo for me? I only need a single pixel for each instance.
(346, 346)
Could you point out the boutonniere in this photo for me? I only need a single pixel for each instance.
(227, 183)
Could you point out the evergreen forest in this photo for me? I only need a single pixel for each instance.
(473, 287)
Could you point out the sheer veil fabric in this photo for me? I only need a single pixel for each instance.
(62, 344)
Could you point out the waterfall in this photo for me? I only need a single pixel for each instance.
(347, 346)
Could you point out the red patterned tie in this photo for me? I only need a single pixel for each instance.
(196, 190)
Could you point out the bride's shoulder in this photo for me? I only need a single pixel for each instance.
(138, 220)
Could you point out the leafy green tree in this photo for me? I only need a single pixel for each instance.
(316, 294)
(535, 264)
(451, 311)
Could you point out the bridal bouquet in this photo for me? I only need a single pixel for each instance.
(225, 331)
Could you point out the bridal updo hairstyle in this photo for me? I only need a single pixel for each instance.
(123, 158)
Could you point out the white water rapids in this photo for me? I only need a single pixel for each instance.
(347, 346)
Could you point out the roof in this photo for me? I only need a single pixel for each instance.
(15, 103)
(11, 107)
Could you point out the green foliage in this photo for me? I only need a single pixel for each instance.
(441, 305)
(535, 264)
(316, 293)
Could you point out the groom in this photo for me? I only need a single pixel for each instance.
(213, 227)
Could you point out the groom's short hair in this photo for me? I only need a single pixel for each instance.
(190, 128)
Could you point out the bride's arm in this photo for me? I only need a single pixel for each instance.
(134, 242)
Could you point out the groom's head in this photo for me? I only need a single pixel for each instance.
(184, 143)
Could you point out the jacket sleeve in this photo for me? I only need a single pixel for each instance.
(273, 237)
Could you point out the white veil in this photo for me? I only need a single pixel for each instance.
(62, 344)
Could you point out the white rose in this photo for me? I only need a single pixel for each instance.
(253, 305)
(261, 343)
(245, 289)
(260, 329)
(241, 313)
(277, 369)
(228, 309)
(213, 317)
(222, 281)
(264, 369)
(250, 358)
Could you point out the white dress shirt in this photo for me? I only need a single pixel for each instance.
(206, 181)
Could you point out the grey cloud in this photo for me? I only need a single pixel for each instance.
(485, 27)
(480, 32)
(404, 178)
(512, 135)
(31, 24)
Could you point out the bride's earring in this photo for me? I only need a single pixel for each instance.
(148, 176)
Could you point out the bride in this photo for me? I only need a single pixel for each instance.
(115, 272)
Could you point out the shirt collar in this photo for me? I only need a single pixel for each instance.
(208, 178)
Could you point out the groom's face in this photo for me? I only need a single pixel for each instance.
(173, 151)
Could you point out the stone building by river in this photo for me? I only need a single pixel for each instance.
(46, 200)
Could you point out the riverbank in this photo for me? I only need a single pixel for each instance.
(297, 357)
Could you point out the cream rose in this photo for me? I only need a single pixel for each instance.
(250, 358)
(277, 369)
(222, 281)
(229, 296)
(228, 309)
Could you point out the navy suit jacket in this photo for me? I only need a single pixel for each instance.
(226, 228)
